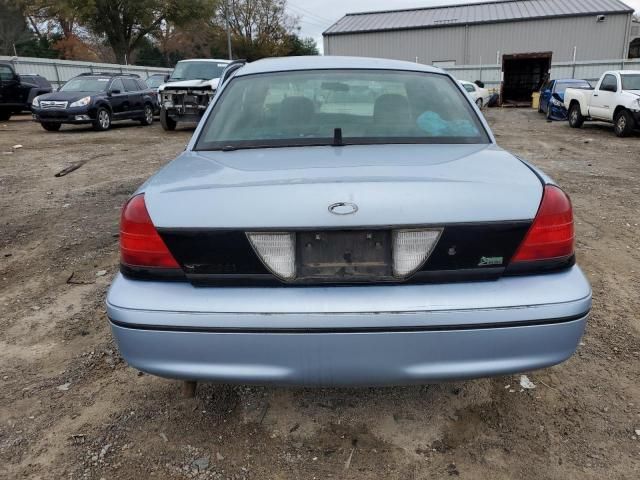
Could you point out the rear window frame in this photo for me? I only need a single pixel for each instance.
(210, 117)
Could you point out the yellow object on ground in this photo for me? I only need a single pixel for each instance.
(535, 100)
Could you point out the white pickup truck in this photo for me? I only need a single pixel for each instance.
(616, 99)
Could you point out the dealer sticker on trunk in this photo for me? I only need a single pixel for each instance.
(484, 261)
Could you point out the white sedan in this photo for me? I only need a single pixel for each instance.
(479, 95)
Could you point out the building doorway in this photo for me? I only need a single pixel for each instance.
(523, 74)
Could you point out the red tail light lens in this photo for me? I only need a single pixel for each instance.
(140, 243)
(551, 235)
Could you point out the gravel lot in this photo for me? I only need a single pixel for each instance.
(70, 407)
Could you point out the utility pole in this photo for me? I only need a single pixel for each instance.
(226, 7)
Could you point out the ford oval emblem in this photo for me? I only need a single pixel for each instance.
(343, 208)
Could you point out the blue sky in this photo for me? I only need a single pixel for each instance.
(317, 15)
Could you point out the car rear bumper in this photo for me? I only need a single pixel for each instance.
(368, 335)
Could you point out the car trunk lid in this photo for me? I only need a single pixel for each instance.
(390, 185)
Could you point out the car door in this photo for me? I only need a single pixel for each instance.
(118, 99)
(603, 100)
(11, 92)
(134, 97)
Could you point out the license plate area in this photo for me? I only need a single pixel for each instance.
(347, 256)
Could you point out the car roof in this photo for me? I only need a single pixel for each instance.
(283, 64)
(212, 60)
(569, 80)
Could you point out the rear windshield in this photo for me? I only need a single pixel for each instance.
(367, 106)
(562, 86)
(85, 84)
(630, 82)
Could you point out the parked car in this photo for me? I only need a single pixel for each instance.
(39, 86)
(616, 99)
(188, 91)
(97, 99)
(346, 221)
(15, 92)
(155, 80)
(480, 95)
(552, 96)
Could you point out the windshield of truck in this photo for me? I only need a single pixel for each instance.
(85, 84)
(630, 81)
(326, 107)
(197, 71)
(562, 86)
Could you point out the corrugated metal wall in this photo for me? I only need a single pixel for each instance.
(59, 71)
(480, 43)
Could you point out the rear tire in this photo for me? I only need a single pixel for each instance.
(5, 115)
(575, 116)
(103, 120)
(168, 123)
(51, 127)
(147, 118)
(624, 124)
(479, 103)
(548, 114)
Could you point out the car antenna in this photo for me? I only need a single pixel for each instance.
(337, 137)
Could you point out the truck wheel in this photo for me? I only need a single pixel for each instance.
(479, 103)
(147, 119)
(103, 120)
(623, 124)
(51, 127)
(575, 116)
(5, 115)
(166, 121)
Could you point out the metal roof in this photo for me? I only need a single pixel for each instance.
(470, 13)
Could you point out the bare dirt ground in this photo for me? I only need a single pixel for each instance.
(70, 407)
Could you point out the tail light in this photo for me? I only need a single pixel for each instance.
(551, 235)
(140, 243)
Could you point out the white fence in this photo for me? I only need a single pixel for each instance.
(491, 75)
(59, 71)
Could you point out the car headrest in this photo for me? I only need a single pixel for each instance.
(391, 108)
(296, 109)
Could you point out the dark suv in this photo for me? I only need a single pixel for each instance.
(97, 99)
(38, 86)
(14, 95)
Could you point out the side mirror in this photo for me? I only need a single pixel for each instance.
(16, 77)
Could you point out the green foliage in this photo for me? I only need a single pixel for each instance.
(125, 23)
(150, 32)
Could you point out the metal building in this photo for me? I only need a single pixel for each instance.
(524, 36)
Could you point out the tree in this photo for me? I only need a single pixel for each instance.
(125, 23)
(260, 28)
(302, 46)
(13, 27)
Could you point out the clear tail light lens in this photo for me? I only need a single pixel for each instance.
(551, 235)
(277, 251)
(411, 248)
(140, 243)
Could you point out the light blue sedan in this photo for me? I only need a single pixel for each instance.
(346, 221)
